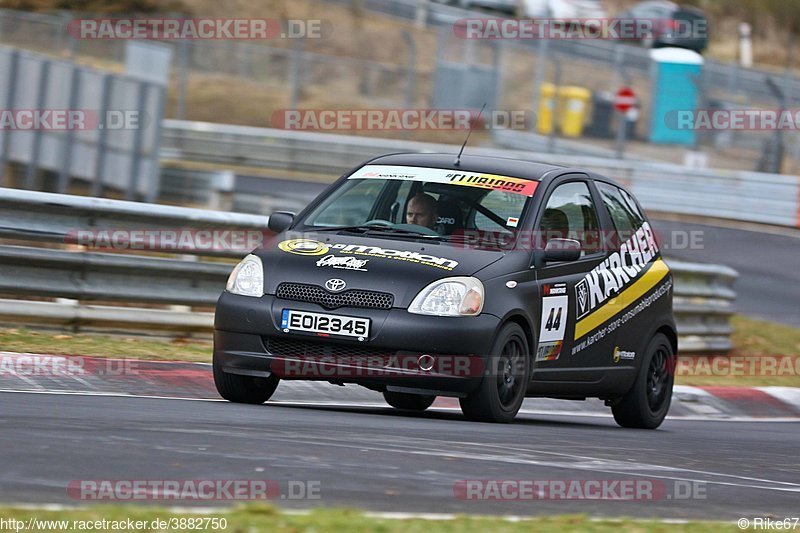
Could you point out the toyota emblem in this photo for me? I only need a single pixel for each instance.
(335, 285)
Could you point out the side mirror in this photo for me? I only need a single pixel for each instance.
(280, 221)
(562, 250)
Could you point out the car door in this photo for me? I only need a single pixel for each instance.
(570, 210)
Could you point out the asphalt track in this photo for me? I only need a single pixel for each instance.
(379, 459)
(375, 458)
(768, 265)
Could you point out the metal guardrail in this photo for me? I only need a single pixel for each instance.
(736, 195)
(59, 218)
(703, 293)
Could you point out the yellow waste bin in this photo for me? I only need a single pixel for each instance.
(573, 103)
(547, 106)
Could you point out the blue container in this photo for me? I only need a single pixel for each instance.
(676, 78)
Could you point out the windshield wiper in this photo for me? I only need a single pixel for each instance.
(379, 228)
(360, 227)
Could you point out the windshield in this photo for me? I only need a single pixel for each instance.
(446, 204)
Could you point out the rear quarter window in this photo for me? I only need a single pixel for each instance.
(621, 207)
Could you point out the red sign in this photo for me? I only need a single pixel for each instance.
(624, 99)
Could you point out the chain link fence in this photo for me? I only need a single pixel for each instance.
(246, 82)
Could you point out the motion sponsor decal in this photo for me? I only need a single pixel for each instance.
(303, 247)
(312, 247)
(494, 182)
(399, 255)
(555, 310)
(344, 263)
(622, 355)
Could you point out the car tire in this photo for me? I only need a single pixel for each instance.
(647, 403)
(243, 389)
(499, 396)
(408, 402)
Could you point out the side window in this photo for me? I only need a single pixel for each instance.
(570, 214)
(623, 210)
(506, 205)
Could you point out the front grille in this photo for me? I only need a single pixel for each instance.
(298, 349)
(301, 292)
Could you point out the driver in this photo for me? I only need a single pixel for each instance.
(422, 211)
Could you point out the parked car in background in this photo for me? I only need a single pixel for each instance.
(507, 7)
(672, 25)
(562, 9)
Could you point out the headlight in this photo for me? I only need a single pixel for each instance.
(247, 278)
(459, 296)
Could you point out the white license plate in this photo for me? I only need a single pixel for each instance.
(323, 324)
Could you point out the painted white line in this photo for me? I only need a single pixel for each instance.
(594, 464)
(109, 394)
(365, 405)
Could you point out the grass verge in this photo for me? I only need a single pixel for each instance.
(43, 342)
(266, 518)
(766, 354)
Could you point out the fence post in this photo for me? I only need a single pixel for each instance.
(100, 160)
(41, 99)
(294, 72)
(68, 138)
(183, 78)
(13, 71)
(538, 77)
(136, 163)
(411, 71)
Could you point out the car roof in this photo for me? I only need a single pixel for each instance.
(515, 168)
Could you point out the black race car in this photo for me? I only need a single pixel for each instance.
(486, 279)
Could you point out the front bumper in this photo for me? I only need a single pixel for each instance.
(249, 341)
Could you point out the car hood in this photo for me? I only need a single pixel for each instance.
(399, 267)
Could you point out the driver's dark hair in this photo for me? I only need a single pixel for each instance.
(427, 200)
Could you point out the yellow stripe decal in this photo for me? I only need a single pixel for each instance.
(613, 307)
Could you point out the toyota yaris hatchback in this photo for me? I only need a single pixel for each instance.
(485, 279)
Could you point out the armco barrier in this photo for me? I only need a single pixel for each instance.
(735, 195)
(93, 280)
